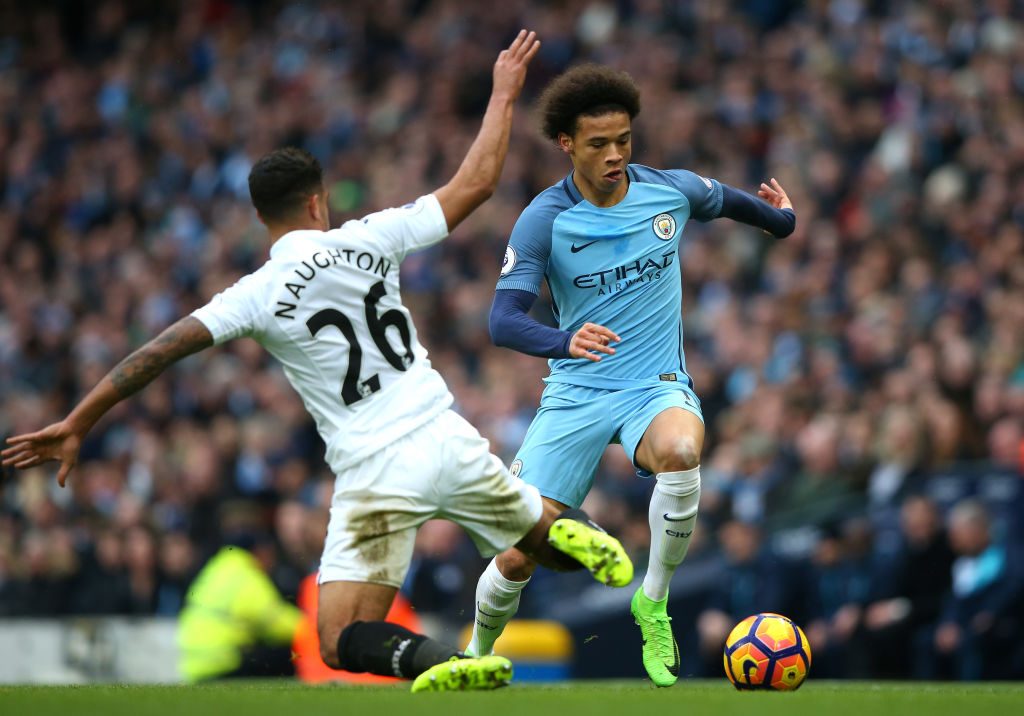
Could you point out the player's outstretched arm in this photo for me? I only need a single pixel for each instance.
(477, 177)
(771, 210)
(62, 441)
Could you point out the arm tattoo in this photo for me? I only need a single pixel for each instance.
(184, 338)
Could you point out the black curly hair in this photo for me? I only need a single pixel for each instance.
(280, 181)
(585, 90)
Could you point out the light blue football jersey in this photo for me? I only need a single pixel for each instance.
(616, 266)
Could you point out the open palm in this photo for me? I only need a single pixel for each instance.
(54, 442)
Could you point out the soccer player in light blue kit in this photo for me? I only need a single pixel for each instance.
(606, 240)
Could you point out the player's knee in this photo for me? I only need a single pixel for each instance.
(329, 647)
(679, 453)
(515, 565)
(330, 634)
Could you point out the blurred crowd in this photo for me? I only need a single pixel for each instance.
(862, 380)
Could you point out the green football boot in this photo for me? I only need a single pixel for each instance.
(661, 653)
(488, 672)
(598, 551)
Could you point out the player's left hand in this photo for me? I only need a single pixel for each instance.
(590, 340)
(510, 69)
(775, 195)
(54, 442)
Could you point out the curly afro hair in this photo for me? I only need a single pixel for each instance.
(586, 90)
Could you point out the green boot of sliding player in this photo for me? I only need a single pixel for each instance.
(488, 672)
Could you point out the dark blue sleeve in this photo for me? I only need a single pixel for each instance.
(512, 327)
(741, 206)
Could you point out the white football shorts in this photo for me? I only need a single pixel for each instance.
(442, 469)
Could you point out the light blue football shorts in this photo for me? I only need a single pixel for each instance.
(575, 424)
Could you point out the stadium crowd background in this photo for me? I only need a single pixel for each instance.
(862, 380)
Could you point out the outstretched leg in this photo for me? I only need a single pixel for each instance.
(500, 586)
(564, 539)
(497, 598)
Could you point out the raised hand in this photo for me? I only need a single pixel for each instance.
(592, 337)
(510, 69)
(775, 195)
(54, 442)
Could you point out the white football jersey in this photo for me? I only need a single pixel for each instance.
(327, 306)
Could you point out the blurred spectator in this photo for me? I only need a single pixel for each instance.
(44, 587)
(977, 634)
(140, 560)
(837, 588)
(908, 593)
(177, 569)
(442, 578)
(901, 453)
(103, 584)
(822, 490)
(297, 560)
(234, 621)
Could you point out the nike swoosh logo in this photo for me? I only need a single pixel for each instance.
(493, 616)
(673, 668)
(674, 519)
(576, 249)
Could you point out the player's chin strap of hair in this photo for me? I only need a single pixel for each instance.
(681, 483)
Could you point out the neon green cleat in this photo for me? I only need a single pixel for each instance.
(661, 653)
(488, 672)
(598, 551)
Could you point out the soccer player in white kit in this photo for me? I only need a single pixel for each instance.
(326, 305)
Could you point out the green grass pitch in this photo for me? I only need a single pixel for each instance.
(621, 698)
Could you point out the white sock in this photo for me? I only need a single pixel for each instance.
(672, 514)
(497, 601)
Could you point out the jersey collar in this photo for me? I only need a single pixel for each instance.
(569, 187)
(286, 240)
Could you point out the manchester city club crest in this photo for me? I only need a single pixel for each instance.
(515, 468)
(664, 226)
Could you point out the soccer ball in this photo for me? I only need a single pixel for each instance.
(767, 651)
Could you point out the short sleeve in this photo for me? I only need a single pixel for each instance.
(234, 312)
(704, 195)
(526, 256)
(408, 228)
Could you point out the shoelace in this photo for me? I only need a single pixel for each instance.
(661, 637)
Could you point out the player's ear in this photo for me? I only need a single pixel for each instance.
(325, 210)
(313, 207)
(565, 142)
